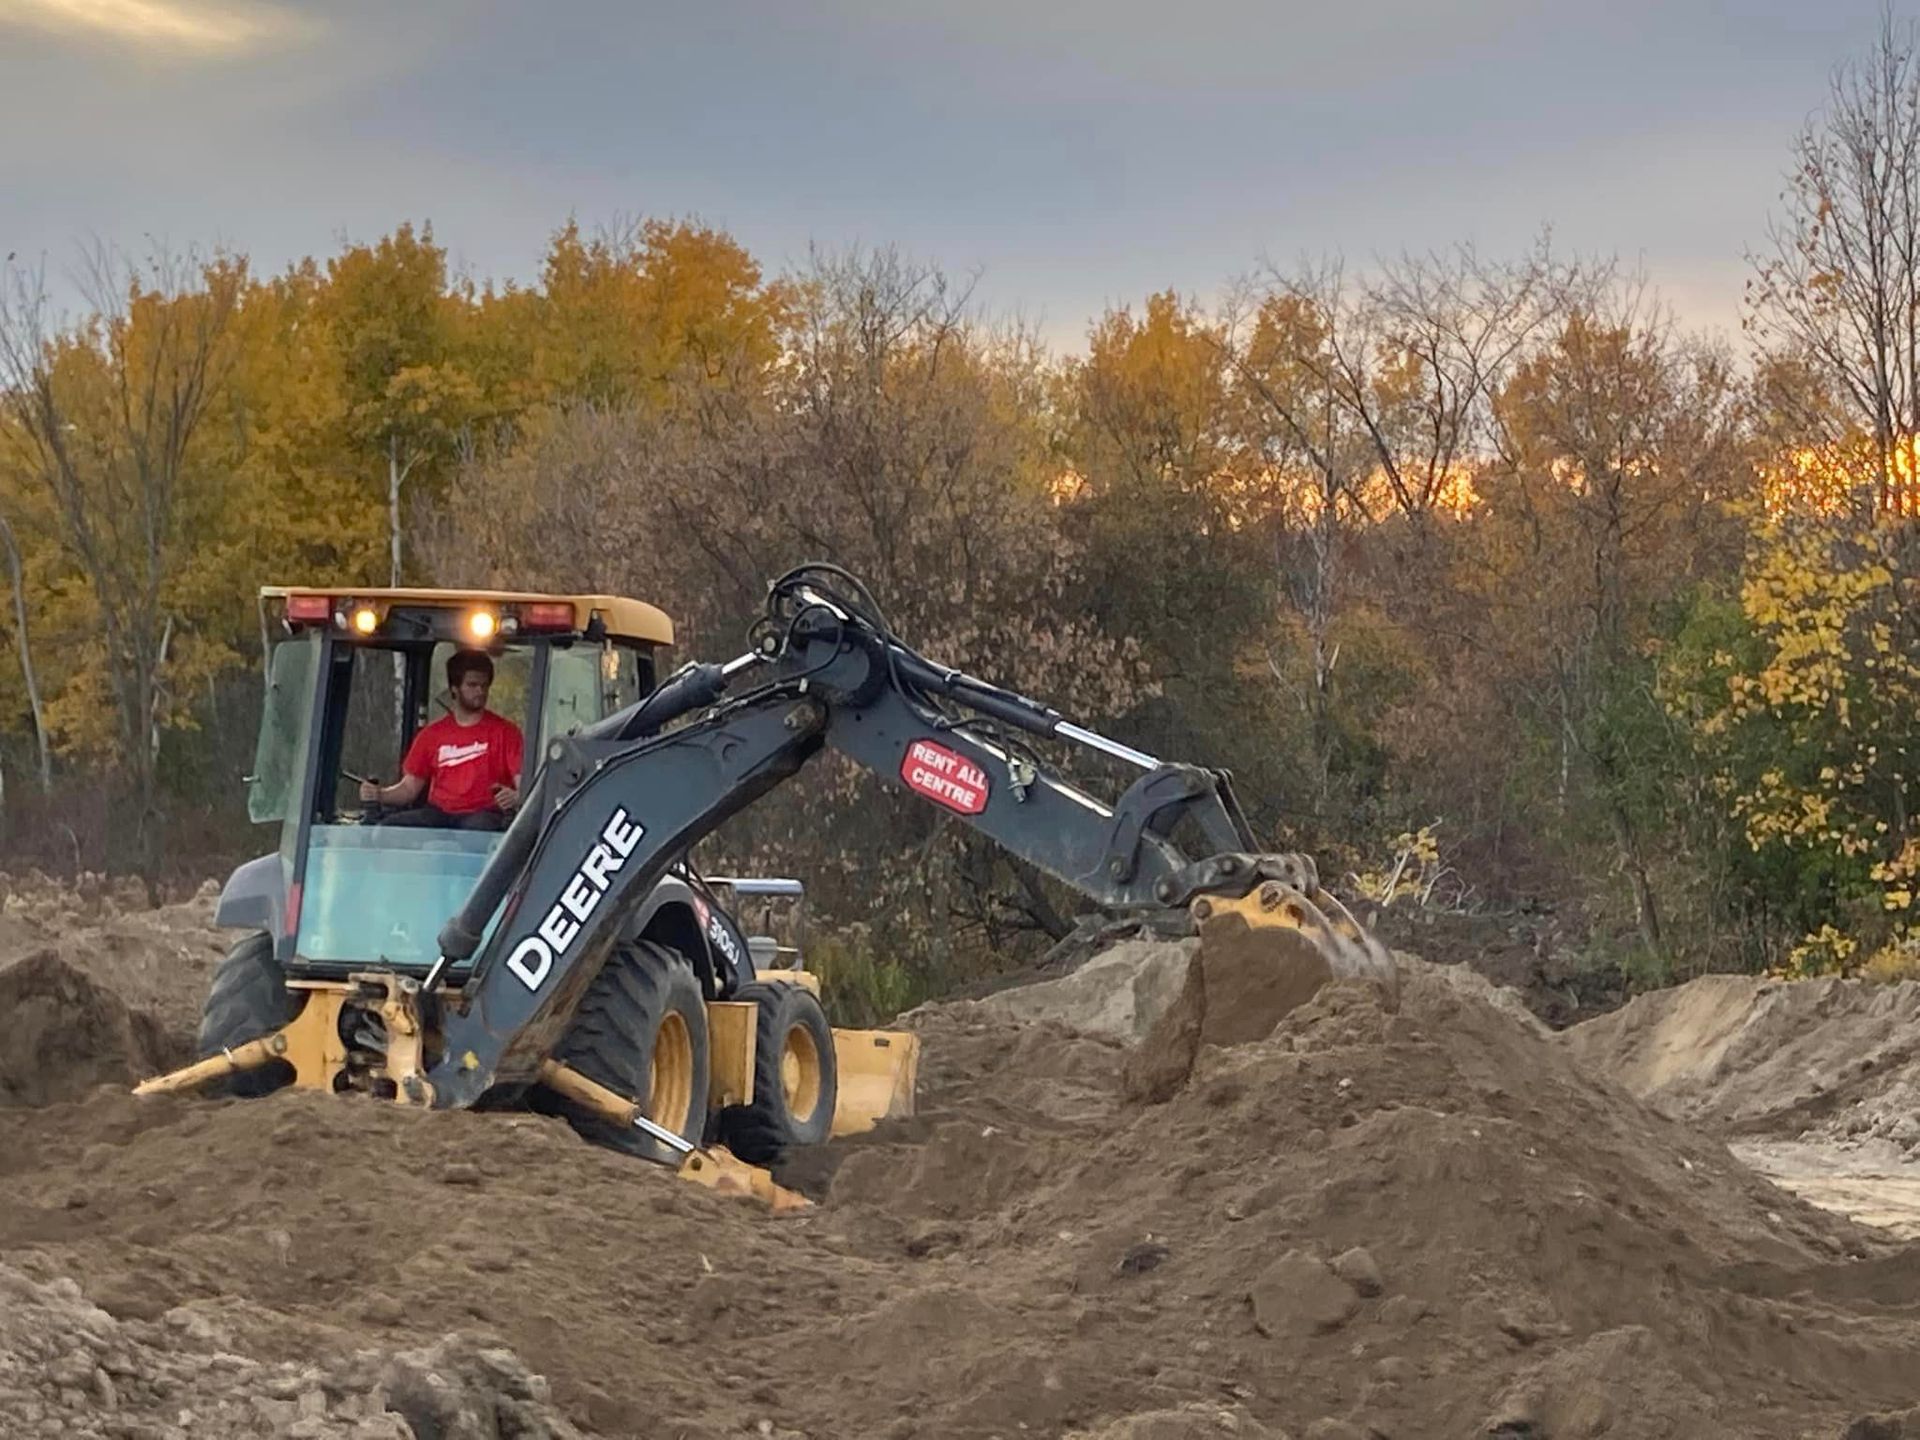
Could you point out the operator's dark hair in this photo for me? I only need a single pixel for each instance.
(464, 662)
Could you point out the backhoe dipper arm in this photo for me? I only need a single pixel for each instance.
(615, 806)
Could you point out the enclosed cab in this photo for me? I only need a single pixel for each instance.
(353, 678)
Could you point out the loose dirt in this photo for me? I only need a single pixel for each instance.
(157, 961)
(1391, 1217)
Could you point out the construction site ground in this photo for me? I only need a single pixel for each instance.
(1388, 1219)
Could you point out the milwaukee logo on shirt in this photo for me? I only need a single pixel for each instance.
(463, 764)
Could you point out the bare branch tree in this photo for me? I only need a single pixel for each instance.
(1840, 287)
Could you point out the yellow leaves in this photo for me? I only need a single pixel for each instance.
(621, 318)
(1827, 683)
(1824, 952)
(1413, 870)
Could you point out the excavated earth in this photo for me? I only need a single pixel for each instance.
(1814, 1082)
(1412, 1217)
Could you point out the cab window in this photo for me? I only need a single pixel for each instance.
(573, 690)
(625, 681)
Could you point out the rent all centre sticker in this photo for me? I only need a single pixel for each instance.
(945, 777)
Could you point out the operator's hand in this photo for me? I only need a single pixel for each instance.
(369, 790)
(506, 798)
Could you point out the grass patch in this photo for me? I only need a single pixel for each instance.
(859, 987)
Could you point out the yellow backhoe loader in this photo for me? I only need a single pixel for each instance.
(570, 958)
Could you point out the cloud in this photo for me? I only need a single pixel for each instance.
(191, 27)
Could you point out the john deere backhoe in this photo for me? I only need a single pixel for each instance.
(574, 961)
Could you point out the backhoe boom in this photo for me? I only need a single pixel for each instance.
(615, 806)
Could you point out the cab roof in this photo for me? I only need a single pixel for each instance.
(625, 619)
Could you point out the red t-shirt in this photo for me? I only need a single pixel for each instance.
(464, 762)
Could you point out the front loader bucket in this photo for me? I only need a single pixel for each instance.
(878, 1070)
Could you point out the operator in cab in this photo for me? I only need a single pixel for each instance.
(467, 763)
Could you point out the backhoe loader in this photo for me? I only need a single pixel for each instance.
(574, 961)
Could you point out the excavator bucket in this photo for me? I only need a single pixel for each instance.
(1262, 955)
(878, 1069)
(1280, 943)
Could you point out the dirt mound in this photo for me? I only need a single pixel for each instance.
(1377, 1221)
(1118, 993)
(1413, 1223)
(1837, 1058)
(1240, 984)
(1816, 1083)
(157, 960)
(64, 1034)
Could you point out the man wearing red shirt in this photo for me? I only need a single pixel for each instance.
(468, 763)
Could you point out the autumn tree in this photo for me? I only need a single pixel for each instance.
(649, 315)
(1147, 484)
(1620, 451)
(410, 398)
(106, 416)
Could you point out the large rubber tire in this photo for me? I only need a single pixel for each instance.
(247, 999)
(796, 1082)
(642, 1025)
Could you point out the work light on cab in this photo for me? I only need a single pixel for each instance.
(481, 624)
(366, 620)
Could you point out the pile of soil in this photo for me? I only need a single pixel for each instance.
(63, 1034)
(157, 960)
(96, 987)
(1816, 1083)
(1391, 1218)
(1833, 1058)
(1118, 993)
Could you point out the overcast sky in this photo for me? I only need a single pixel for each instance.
(1076, 154)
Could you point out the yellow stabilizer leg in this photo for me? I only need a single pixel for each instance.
(878, 1071)
(717, 1168)
(310, 1043)
(250, 1056)
(720, 1170)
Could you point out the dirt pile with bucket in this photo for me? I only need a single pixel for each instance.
(1399, 1215)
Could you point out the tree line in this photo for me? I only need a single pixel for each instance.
(1490, 582)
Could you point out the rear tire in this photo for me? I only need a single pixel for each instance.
(795, 1080)
(248, 998)
(641, 1031)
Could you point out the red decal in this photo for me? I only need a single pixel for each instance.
(945, 777)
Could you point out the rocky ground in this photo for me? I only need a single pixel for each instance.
(1409, 1216)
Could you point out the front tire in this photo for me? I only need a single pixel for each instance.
(248, 998)
(796, 1083)
(641, 1031)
